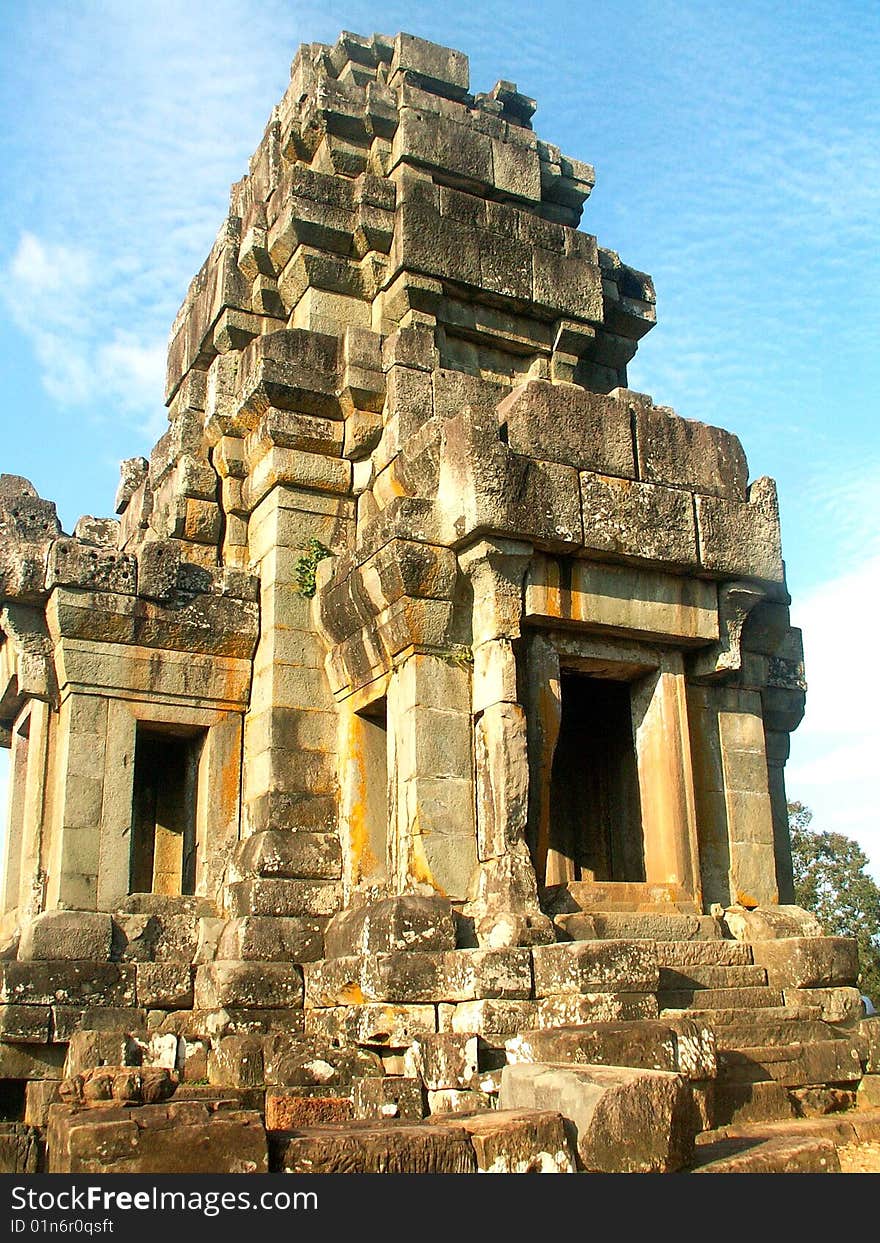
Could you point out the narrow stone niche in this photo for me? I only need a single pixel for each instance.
(163, 828)
(373, 731)
(595, 804)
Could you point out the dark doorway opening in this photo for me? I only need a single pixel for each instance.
(595, 808)
(163, 828)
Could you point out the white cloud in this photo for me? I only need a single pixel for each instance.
(54, 294)
(835, 751)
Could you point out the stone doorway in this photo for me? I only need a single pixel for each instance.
(163, 827)
(595, 805)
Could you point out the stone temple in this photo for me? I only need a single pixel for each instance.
(410, 746)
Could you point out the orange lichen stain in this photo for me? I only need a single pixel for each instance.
(351, 995)
(419, 868)
(746, 900)
(363, 858)
(229, 787)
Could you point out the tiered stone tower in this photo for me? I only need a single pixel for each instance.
(424, 660)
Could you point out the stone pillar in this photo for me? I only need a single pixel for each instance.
(291, 725)
(777, 747)
(666, 783)
(431, 808)
(23, 876)
(78, 795)
(544, 696)
(505, 904)
(736, 823)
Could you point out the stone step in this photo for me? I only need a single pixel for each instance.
(585, 895)
(823, 1061)
(704, 953)
(726, 1016)
(641, 926)
(719, 998)
(699, 976)
(755, 1029)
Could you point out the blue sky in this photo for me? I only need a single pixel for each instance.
(738, 161)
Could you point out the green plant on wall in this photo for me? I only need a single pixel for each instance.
(307, 564)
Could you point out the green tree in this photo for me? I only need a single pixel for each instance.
(831, 881)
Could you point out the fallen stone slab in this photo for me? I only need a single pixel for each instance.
(769, 1156)
(371, 1148)
(520, 1141)
(185, 1137)
(625, 1120)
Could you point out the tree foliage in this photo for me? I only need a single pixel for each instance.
(830, 879)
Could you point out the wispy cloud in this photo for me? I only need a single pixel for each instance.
(54, 293)
(833, 767)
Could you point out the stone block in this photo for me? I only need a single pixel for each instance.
(69, 1019)
(563, 1009)
(642, 520)
(279, 896)
(236, 1061)
(825, 1061)
(24, 1024)
(59, 935)
(432, 66)
(771, 923)
(375, 1148)
(301, 855)
(625, 1121)
(565, 423)
(513, 1141)
(267, 985)
(808, 962)
(777, 1155)
(39, 1095)
(295, 939)
(446, 1060)
(20, 1148)
(495, 1018)
(288, 1111)
(408, 921)
(89, 566)
(684, 1047)
(310, 1061)
(836, 1005)
(165, 985)
(742, 541)
(373, 1024)
(88, 1049)
(68, 982)
(689, 454)
(186, 1137)
(595, 966)
(388, 1096)
(31, 1061)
